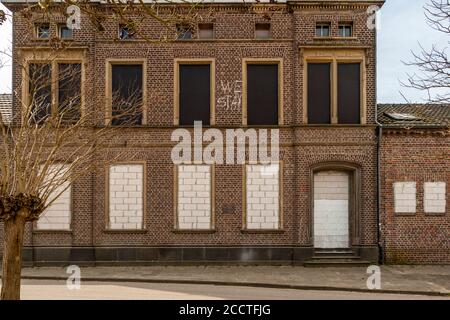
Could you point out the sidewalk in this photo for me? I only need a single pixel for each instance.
(430, 280)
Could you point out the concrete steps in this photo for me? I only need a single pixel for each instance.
(335, 258)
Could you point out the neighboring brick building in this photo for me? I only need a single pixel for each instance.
(415, 175)
(304, 67)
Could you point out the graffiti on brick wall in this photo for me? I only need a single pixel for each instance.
(230, 95)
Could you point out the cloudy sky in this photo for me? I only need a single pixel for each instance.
(403, 27)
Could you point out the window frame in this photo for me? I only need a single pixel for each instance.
(60, 26)
(263, 23)
(108, 87)
(280, 229)
(346, 25)
(36, 30)
(212, 29)
(186, 28)
(279, 62)
(212, 195)
(120, 27)
(144, 197)
(321, 25)
(35, 227)
(46, 57)
(176, 86)
(335, 57)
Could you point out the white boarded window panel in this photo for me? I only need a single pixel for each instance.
(263, 196)
(405, 197)
(434, 197)
(57, 216)
(194, 197)
(331, 205)
(126, 183)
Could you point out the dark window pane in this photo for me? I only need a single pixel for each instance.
(69, 91)
(262, 31)
(319, 93)
(322, 30)
(40, 92)
(127, 94)
(345, 30)
(205, 31)
(65, 33)
(349, 93)
(184, 32)
(43, 31)
(262, 94)
(126, 33)
(195, 94)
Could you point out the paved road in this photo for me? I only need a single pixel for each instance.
(51, 290)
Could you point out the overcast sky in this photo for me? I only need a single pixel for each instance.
(403, 27)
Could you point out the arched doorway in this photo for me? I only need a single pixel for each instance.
(335, 206)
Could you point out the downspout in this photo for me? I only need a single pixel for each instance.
(379, 133)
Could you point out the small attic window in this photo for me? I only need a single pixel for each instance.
(401, 116)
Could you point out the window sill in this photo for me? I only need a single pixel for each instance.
(125, 231)
(404, 214)
(194, 231)
(262, 231)
(334, 38)
(435, 214)
(43, 231)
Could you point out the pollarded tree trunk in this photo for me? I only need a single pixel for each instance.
(12, 256)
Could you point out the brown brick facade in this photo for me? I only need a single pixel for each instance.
(303, 148)
(419, 156)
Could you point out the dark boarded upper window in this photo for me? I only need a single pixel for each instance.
(127, 94)
(262, 30)
(69, 91)
(43, 31)
(262, 94)
(194, 93)
(323, 30)
(40, 90)
(319, 93)
(349, 93)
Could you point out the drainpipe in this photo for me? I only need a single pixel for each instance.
(379, 133)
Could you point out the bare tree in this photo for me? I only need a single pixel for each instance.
(433, 64)
(43, 150)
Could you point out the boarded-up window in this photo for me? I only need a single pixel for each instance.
(349, 93)
(127, 94)
(262, 94)
(69, 90)
(195, 93)
(58, 214)
(319, 93)
(40, 91)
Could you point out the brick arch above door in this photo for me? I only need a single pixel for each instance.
(354, 171)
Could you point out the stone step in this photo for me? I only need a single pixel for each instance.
(336, 263)
(352, 256)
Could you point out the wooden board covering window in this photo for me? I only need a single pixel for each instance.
(69, 90)
(40, 88)
(127, 94)
(349, 93)
(319, 93)
(262, 94)
(194, 93)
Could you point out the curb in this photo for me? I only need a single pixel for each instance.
(247, 284)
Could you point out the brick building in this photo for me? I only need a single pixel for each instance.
(415, 174)
(305, 67)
